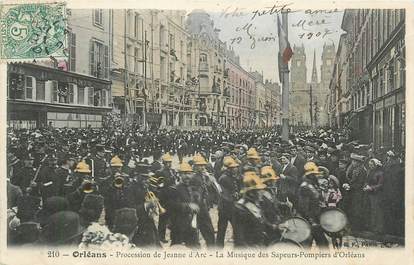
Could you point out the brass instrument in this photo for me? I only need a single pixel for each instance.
(151, 197)
(119, 181)
(88, 186)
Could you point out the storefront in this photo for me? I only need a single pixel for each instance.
(389, 127)
(39, 96)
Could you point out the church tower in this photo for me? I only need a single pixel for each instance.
(298, 96)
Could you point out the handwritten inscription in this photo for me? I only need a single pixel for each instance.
(275, 9)
(311, 24)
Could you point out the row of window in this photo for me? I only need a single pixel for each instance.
(57, 92)
(390, 77)
(381, 23)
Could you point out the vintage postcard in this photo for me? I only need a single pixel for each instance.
(194, 132)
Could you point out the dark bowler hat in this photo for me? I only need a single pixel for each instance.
(27, 233)
(92, 201)
(51, 206)
(62, 228)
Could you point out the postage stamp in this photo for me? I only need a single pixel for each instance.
(33, 31)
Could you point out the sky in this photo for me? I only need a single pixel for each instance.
(255, 39)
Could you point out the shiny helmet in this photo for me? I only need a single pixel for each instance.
(185, 167)
(268, 174)
(116, 162)
(252, 182)
(252, 154)
(311, 168)
(199, 160)
(82, 167)
(167, 157)
(229, 162)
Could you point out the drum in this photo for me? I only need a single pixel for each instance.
(286, 244)
(333, 220)
(298, 229)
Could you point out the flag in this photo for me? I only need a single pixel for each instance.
(284, 46)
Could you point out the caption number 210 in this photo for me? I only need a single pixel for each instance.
(53, 254)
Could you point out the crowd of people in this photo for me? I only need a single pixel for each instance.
(110, 187)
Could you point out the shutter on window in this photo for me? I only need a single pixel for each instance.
(106, 61)
(73, 52)
(92, 57)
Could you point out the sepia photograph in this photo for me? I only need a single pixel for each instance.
(236, 129)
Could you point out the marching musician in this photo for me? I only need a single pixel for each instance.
(116, 191)
(230, 183)
(183, 203)
(253, 159)
(273, 209)
(169, 179)
(201, 181)
(309, 203)
(83, 184)
(249, 220)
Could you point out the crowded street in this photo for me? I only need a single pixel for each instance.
(228, 129)
(319, 186)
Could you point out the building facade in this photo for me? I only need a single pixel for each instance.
(65, 93)
(376, 75)
(260, 101)
(242, 92)
(328, 58)
(207, 60)
(339, 101)
(273, 103)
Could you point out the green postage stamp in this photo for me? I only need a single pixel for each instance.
(33, 31)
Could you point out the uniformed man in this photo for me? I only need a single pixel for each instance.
(49, 183)
(230, 183)
(253, 159)
(273, 209)
(83, 183)
(184, 203)
(250, 222)
(24, 177)
(309, 202)
(99, 164)
(65, 175)
(200, 182)
(169, 178)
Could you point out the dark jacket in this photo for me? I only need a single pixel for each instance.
(249, 227)
(230, 190)
(299, 163)
(375, 180)
(181, 215)
(308, 201)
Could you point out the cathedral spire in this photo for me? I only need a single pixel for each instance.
(314, 72)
